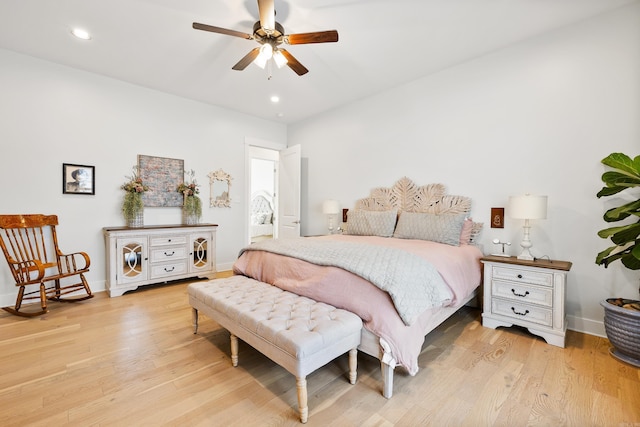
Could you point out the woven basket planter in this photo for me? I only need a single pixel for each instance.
(623, 330)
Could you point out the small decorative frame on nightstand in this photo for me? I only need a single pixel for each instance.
(530, 294)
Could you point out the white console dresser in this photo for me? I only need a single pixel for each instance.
(156, 254)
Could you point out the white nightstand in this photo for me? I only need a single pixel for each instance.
(530, 294)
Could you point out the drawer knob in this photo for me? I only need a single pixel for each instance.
(519, 276)
(520, 313)
(169, 270)
(169, 254)
(519, 295)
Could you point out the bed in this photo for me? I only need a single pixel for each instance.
(261, 214)
(377, 268)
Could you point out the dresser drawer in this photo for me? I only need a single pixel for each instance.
(522, 312)
(168, 253)
(169, 269)
(523, 276)
(523, 293)
(168, 240)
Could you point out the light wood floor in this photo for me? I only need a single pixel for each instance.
(134, 361)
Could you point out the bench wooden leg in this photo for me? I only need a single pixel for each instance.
(301, 384)
(234, 350)
(194, 320)
(353, 365)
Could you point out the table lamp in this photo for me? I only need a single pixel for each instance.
(527, 207)
(331, 208)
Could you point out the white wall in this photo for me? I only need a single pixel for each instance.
(537, 117)
(51, 115)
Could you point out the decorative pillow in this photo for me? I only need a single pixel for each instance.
(371, 223)
(465, 234)
(445, 228)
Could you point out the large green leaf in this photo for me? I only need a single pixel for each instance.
(618, 179)
(622, 212)
(626, 234)
(608, 232)
(624, 163)
(609, 191)
(604, 254)
(631, 262)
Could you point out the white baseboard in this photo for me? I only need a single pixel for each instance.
(586, 326)
(225, 266)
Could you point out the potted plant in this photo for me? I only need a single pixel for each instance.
(192, 207)
(133, 206)
(622, 316)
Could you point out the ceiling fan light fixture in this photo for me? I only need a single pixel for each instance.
(266, 53)
(279, 59)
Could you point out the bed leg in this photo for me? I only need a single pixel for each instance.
(194, 320)
(387, 380)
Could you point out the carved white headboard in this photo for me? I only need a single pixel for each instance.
(405, 195)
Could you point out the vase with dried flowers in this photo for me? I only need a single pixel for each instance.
(192, 207)
(133, 206)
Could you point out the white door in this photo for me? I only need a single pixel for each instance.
(289, 192)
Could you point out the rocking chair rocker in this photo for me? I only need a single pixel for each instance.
(30, 246)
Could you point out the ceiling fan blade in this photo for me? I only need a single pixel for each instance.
(248, 59)
(211, 28)
(267, 15)
(294, 64)
(317, 37)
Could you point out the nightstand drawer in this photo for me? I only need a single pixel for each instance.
(520, 293)
(523, 276)
(522, 312)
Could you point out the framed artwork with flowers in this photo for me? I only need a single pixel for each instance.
(160, 174)
(78, 179)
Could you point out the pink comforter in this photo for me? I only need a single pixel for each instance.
(458, 266)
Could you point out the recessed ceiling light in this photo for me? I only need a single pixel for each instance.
(81, 34)
(275, 99)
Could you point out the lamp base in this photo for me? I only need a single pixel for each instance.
(526, 255)
(526, 243)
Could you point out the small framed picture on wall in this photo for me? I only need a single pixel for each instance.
(497, 217)
(78, 179)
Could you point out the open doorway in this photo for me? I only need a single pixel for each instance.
(263, 205)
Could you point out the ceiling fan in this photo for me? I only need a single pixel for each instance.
(270, 34)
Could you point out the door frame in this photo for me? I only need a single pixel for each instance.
(258, 143)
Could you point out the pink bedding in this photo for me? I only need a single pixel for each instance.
(458, 265)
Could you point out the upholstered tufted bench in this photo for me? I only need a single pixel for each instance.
(297, 333)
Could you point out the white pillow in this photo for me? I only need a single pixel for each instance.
(444, 228)
(371, 223)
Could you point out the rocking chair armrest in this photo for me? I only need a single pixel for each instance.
(72, 261)
(23, 270)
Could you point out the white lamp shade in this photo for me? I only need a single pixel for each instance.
(279, 59)
(527, 207)
(331, 207)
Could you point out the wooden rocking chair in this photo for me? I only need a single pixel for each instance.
(30, 246)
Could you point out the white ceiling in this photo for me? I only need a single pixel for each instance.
(382, 43)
